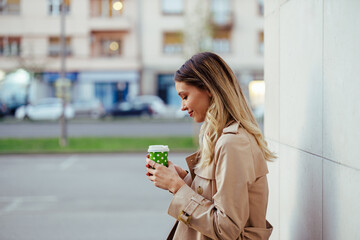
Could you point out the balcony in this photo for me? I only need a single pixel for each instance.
(10, 7)
(222, 20)
(109, 13)
(117, 23)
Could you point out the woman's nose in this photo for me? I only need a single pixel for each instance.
(183, 107)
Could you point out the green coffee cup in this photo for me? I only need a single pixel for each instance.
(159, 154)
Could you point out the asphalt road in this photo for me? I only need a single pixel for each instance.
(28, 129)
(82, 197)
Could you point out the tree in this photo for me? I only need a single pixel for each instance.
(198, 28)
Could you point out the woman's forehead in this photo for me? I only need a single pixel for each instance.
(181, 86)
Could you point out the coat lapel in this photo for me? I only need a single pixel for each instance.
(191, 161)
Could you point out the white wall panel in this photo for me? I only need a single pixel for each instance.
(281, 2)
(300, 194)
(274, 192)
(272, 77)
(270, 7)
(341, 82)
(341, 202)
(301, 75)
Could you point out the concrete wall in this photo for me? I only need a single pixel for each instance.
(312, 116)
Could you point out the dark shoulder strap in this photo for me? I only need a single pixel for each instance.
(172, 233)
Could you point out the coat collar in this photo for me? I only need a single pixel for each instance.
(207, 172)
(232, 128)
(191, 161)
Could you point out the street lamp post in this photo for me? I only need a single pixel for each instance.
(139, 43)
(63, 138)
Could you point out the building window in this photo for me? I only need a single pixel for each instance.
(172, 6)
(221, 12)
(107, 44)
(173, 42)
(221, 40)
(9, 7)
(10, 46)
(261, 7)
(261, 42)
(55, 7)
(106, 8)
(55, 46)
(110, 47)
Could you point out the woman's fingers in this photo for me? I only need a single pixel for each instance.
(151, 177)
(150, 163)
(159, 174)
(149, 167)
(170, 163)
(150, 170)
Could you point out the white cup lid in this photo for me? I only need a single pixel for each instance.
(158, 148)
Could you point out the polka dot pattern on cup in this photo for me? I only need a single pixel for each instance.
(159, 157)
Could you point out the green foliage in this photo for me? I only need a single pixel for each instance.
(92, 145)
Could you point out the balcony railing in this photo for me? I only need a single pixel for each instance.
(9, 8)
(55, 51)
(223, 19)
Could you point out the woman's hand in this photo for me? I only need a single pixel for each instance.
(182, 173)
(164, 177)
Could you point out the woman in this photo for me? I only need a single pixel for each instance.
(225, 194)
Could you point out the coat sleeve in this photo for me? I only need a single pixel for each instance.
(226, 215)
(187, 179)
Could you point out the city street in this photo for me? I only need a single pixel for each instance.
(81, 196)
(85, 128)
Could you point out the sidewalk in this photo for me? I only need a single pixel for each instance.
(116, 128)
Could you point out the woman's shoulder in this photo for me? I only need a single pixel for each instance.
(241, 149)
(234, 134)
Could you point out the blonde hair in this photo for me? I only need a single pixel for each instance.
(208, 71)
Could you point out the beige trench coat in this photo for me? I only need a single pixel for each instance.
(227, 199)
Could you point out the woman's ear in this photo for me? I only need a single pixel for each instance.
(209, 94)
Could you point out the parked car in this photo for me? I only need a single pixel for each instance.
(12, 105)
(181, 114)
(157, 105)
(131, 108)
(45, 109)
(89, 108)
(3, 110)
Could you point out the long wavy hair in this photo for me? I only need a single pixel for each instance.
(208, 71)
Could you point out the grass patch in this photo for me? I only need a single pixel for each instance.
(94, 145)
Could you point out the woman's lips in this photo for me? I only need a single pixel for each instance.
(191, 113)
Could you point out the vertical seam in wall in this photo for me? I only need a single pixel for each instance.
(279, 141)
(322, 122)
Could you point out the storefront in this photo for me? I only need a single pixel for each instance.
(110, 88)
(51, 78)
(167, 91)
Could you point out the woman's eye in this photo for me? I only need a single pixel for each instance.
(184, 98)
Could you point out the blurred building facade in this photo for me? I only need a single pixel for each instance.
(118, 49)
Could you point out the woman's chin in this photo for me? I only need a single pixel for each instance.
(199, 120)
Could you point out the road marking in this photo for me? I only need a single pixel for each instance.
(48, 198)
(16, 202)
(68, 162)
